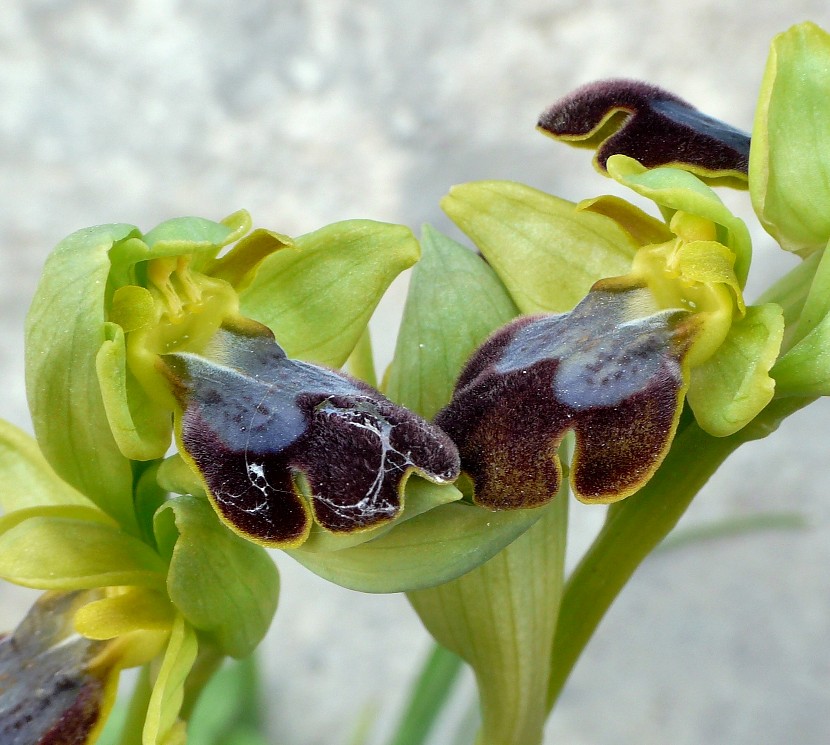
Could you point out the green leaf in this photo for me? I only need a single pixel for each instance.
(64, 331)
(500, 618)
(222, 584)
(675, 190)
(73, 548)
(433, 548)
(546, 252)
(429, 696)
(455, 301)
(26, 479)
(229, 708)
(162, 726)
(730, 388)
(789, 161)
(318, 299)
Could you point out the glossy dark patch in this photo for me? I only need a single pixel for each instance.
(47, 694)
(607, 372)
(262, 429)
(648, 124)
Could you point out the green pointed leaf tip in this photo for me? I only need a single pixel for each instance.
(222, 584)
(455, 301)
(649, 124)
(531, 382)
(789, 165)
(279, 442)
(547, 253)
(318, 299)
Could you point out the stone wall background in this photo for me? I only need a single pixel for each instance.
(310, 112)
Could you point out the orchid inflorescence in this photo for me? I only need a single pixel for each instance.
(588, 347)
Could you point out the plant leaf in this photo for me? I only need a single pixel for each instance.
(455, 301)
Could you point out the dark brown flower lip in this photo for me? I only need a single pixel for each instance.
(617, 381)
(48, 694)
(649, 124)
(279, 442)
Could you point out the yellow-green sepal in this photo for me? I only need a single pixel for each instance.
(26, 478)
(730, 388)
(64, 331)
(71, 547)
(223, 585)
(318, 298)
(547, 253)
(789, 160)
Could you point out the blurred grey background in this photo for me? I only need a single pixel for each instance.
(310, 112)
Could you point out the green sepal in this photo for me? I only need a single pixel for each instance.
(222, 584)
(318, 299)
(789, 160)
(433, 548)
(731, 387)
(805, 369)
(545, 251)
(26, 479)
(501, 618)
(141, 427)
(361, 362)
(817, 302)
(675, 190)
(455, 301)
(73, 548)
(162, 725)
(64, 331)
(176, 476)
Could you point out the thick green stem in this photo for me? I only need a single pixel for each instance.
(637, 525)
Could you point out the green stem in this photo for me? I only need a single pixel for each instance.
(133, 729)
(207, 663)
(637, 525)
(428, 696)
